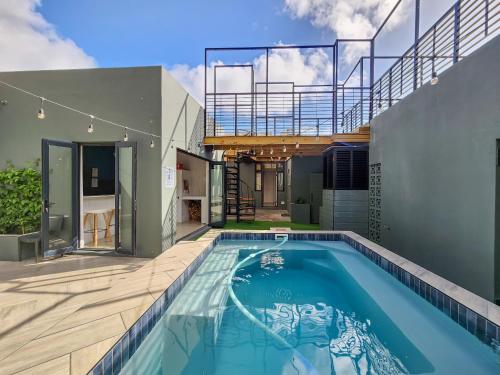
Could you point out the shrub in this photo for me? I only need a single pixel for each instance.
(20, 199)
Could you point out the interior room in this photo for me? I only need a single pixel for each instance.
(192, 193)
(97, 197)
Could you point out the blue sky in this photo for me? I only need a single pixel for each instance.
(150, 32)
(62, 34)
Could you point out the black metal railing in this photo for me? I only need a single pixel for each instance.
(466, 26)
(286, 108)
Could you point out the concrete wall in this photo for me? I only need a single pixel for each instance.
(437, 149)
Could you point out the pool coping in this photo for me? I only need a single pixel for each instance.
(475, 314)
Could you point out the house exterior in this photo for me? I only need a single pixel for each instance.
(146, 99)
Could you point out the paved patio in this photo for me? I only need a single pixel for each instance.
(62, 316)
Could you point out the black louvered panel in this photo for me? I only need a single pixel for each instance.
(360, 170)
(343, 168)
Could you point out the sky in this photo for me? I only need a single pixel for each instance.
(62, 34)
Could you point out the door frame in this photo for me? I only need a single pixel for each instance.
(211, 164)
(75, 205)
(133, 145)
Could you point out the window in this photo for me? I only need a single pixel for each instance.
(258, 177)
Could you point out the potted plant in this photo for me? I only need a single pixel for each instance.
(20, 207)
(301, 211)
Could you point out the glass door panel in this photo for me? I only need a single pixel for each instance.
(217, 196)
(125, 196)
(59, 195)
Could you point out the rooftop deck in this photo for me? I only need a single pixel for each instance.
(253, 100)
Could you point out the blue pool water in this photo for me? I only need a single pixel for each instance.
(308, 308)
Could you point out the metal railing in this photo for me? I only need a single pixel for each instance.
(299, 112)
(286, 108)
(466, 26)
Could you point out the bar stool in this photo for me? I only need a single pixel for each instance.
(95, 223)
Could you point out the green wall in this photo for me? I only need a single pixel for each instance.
(437, 148)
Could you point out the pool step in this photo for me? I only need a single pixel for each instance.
(321, 266)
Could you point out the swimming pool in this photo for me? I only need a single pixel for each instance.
(305, 307)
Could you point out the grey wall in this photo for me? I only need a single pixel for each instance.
(345, 210)
(127, 95)
(326, 210)
(302, 167)
(350, 211)
(437, 150)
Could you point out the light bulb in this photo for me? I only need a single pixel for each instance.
(152, 143)
(261, 152)
(297, 145)
(125, 137)
(91, 126)
(271, 152)
(284, 148)
(434, 79)
(41, 113)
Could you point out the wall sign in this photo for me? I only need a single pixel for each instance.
(169, 177)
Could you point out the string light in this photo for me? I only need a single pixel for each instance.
(261, 151)
(125, 137)
(284, 148)
(271, 152)
(297, 145)
(91, 126)
(41, 113)
(152, 143)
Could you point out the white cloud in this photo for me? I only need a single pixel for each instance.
(285, 65)
(29, 42)
(348, 18)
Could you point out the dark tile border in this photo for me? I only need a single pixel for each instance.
(485, 330)
(116, 358)
(478, 325)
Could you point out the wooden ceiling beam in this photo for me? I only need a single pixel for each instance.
(226, 142)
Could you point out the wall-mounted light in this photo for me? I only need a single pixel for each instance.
(91, 125)
(41, 113)
(435, 78)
